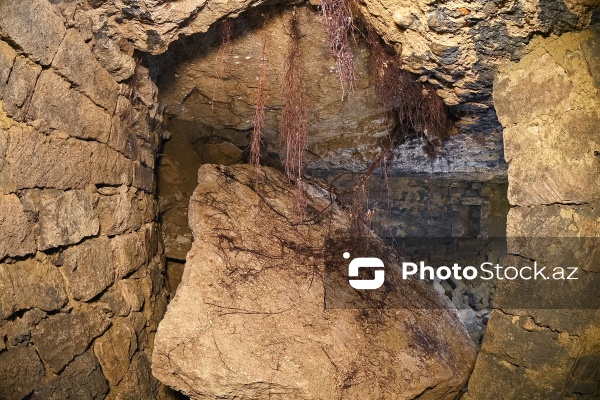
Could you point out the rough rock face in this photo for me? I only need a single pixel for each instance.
(549, 105)
(81, 284)
(212, 92)
(248, 319)
(455, 45)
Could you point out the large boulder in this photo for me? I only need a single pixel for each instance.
(248, 319)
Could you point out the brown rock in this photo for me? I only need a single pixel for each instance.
(138, 383)
(7, 58)
(551, 112)
(115, 348)
(82, 379)
(61, 337)
(121, 65)
(88, 268)
(20, 87)
(33, 26)
(30, 283)
(124, 297)
(21, 369)
(143, 177)
(530, 352)
(75, 163)
(75, 61)
(125, 209)
(248, 318)
(67, 109)
(66, 217)
(130, 252)
(522, 358)
(16, 231)
(122, 138)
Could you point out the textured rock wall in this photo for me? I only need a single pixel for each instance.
(81, 271)
(212, 93)
(456, 45)
(549, 104)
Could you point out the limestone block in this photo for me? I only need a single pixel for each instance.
(20, 87)
(125, 209)
(548, 104)
(33, 26)
(66, 217)
(16, 231)
(81, 379)
(67, 109)
(75, 61)
(130, 252)
(120, 64)
(138, 383)
(115, 348)
(88, 268)
(21, 369)
(7, 58)
(124, 297)
(58, 162)
(28, 284)
(61, 337)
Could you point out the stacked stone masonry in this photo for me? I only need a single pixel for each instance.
(81, 266)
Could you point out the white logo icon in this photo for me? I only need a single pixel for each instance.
(365, 262)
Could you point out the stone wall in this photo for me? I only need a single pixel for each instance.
(549, 105)
(81, 267)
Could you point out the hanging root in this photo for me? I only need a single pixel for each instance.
(259, 112)
(221, 58)
(337, 18)
(415, 105)
(294, 130)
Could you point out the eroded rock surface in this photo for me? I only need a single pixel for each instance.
(549, 105)
(248, 319)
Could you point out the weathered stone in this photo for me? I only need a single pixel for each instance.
(115, 348)
(122, 138)
(143, 177)
(124, 297)
(550, 110)
(524, 358)
(30, 283)
(16, 231)
(67, 109)
(21, 369)
(160, 300)
(138, 383)
(61, 337)
(7, 58)
(75, 163)
(18, 329)
(125, 209)
(75, 61)
(66, 217)
(81, 379)
(20, 87)
(88, 268)
(121, 65)
(243, 274)
(532, 353)
(130, 252)
(33, 26)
